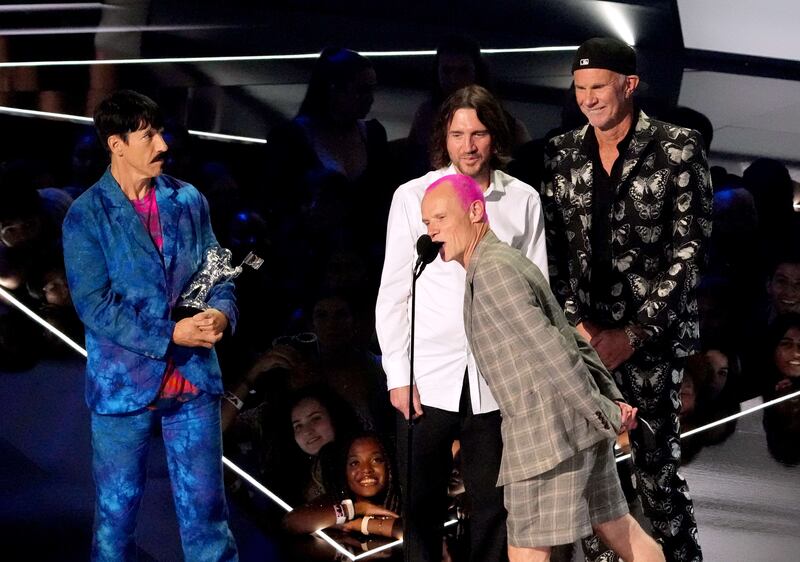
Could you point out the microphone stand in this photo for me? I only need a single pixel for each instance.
(417, 272)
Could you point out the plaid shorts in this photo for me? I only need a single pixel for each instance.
(561, 505)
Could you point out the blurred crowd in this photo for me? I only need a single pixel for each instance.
(313, 203)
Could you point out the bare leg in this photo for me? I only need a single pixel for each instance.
(523, 554)
(625, 537)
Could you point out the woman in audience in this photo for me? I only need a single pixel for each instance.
(782, 356)
(361, 493)
(327, 169)
(281, 445)
(782, 420)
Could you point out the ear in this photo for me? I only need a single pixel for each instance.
(477, 211)
(115, 143)
(631, 83)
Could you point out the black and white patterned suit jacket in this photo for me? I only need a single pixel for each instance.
(660, 225)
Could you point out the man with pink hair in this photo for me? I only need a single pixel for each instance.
(560, 407)
(450, 399)
(466, 190)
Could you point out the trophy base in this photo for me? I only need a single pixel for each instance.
(185, 311)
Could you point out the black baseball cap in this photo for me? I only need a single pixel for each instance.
(607, 53)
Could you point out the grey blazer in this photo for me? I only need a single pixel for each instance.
(555, 396)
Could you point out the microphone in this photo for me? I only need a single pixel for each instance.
(427, 250)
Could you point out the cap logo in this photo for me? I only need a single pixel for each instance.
(584, 62)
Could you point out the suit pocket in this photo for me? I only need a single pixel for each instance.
(528, 402)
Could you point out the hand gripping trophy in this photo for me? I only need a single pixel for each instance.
(216, 268)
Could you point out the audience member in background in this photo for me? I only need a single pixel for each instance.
(87, 163)
(782, 356)
(732, 250)
(31, 265)
(709, 392)
(782, 428)
(55, 306)
(30, 226)
(734, 238)
(458, 63)
(279, 441)
(722, 392)
(344, 365)
(259, 292)
(773, 193)
(689, 118)
(328, 354)
(361, 492)
(349, 273)
(783, 284)
(779, 295)
(721, 376)
(216, 183)
(327, 169)
(782, 367)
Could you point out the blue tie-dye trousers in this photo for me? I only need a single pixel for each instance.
(193, 442)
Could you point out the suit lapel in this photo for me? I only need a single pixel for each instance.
(169, 211)
(642, 137)
(582, 171)
(121, 212)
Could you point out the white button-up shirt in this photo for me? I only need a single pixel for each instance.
(441, 352)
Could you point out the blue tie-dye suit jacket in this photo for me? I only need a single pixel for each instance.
(124, 291)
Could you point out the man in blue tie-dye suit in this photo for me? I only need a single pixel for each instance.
(131, 243)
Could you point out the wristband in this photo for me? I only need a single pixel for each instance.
(341, 518)
(365, 524)
(233, 399)
(349, 509)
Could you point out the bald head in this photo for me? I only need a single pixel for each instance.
(454, 211)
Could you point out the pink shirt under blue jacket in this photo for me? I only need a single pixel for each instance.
(124, 289)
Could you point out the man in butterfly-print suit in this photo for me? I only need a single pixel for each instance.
(628, 211)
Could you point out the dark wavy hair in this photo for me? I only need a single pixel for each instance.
(335, 67)
(124, 112)
(334, 471)
(489, 112)
(343, 418)
(296, 465)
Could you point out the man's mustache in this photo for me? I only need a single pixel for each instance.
(160, 158)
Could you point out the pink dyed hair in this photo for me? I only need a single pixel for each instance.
(467, 190)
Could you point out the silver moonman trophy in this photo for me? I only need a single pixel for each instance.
(216, 268)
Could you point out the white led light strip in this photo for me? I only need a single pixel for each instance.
(259, 58)
(39, 320)
(208, 134)
(33, 31)
(730, 418)
(89, 121)
(53, 7)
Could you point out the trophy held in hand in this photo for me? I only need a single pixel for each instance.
(216, 269)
